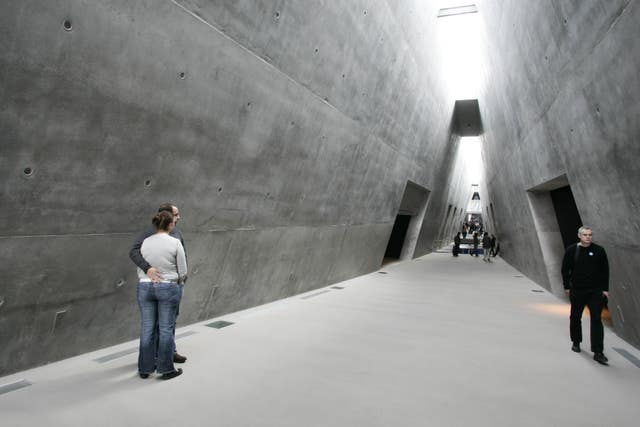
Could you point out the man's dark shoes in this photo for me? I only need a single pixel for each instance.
(173, 374)
(178, 358)
(143, 376)
(600, 358)
(576, 347)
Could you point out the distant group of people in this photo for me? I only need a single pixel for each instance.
(490, 244)
(471, 228)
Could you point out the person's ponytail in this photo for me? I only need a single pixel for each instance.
(162, 220)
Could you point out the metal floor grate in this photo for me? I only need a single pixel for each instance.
(315, 295)
(121, 353)
(14, 386)
(630, 357)
(185, 334)
(219, 324)
(116, 355)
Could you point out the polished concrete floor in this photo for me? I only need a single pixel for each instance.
(437, 341)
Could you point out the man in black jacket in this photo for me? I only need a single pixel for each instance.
(585, 276)
(456, 244)
(486, 247)
(152, 272)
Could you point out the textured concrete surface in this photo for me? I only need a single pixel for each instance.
(437, 341)
(285, 131)
(562, 99)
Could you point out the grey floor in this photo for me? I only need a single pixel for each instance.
(436, 341)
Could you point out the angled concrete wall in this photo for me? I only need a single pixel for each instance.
(286, 131)
(562, 98)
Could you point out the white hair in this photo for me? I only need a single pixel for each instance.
(584, 227)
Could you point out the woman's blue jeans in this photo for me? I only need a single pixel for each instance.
(158, 304)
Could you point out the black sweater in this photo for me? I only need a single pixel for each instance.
(588, 271)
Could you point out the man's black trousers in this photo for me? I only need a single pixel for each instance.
(595, 301)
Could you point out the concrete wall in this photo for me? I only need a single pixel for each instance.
(286, 131)
(562, 98)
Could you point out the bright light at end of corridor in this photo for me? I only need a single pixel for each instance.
(471, 152)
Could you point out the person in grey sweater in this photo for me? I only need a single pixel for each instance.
(158, 300)
(151, 271)
(167, 254)
(135, 254)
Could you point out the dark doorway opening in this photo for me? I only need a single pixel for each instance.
(407, 226)
(556, 219)
(567, 214)
(398, 234)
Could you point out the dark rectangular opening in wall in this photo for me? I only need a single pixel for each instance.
(446, 220)
(567, 214)
(445, 225)
(552, 207)
(493, 218)
(399, 232)
(407, 228)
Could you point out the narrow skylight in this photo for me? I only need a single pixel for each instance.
(460, 42)
(458, 10)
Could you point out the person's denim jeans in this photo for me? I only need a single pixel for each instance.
(158, 304)
(175, 350)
